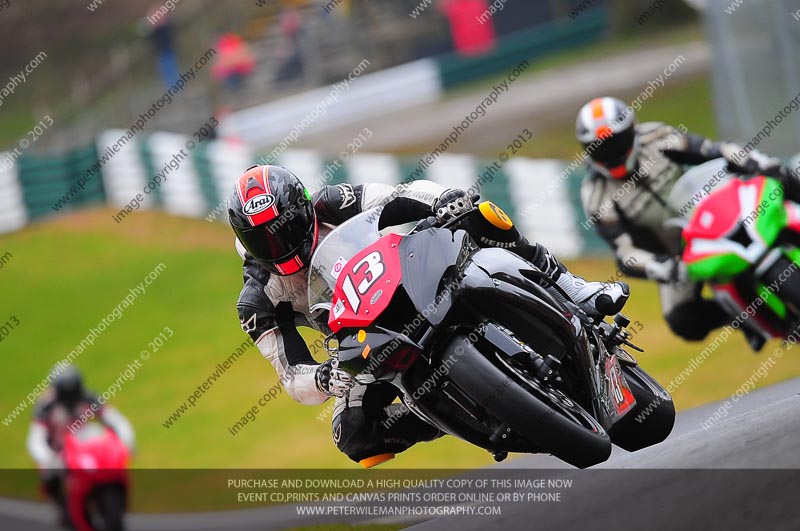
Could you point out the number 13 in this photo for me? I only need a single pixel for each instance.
(373, 269)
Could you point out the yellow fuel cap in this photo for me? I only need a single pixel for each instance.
(495, 215)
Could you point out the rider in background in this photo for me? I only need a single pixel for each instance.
(278, 225)
(59, 407)
(631, 171)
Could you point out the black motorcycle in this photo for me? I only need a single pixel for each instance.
(478, 348)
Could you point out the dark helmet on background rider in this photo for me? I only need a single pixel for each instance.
(273, 217)
(606, 129)
(68, 385)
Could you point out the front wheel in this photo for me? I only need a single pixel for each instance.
(651, 420)
(109, 501)
(545, 417)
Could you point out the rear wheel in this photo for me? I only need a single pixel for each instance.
(545, 417)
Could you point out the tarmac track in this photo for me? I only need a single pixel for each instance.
(741, 473)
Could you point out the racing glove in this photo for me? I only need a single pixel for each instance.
(452, 203)
(333, 381)
(752, 163)
(790, 179)
(667, 271)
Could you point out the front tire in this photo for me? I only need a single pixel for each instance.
(551, 422)
(652, 418)
(110, 503)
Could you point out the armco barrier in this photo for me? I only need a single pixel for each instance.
(202, 182)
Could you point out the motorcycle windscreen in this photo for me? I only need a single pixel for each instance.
(426, 258)
(695, 185)
(95, 447)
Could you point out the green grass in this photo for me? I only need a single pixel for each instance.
(681, 101)
(17, 120)
(686, 101)
(67, 274)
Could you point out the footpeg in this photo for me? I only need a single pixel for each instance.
(501, 432)
(547, 368)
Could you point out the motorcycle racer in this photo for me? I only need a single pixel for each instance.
(58, 409)
(632, 169)
(278, 224)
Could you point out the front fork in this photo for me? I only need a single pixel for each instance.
(768, 260)
(759, 328)
(763, 269)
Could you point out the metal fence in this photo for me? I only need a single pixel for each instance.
(756, 72)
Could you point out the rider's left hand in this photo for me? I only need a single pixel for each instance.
(452, 203)
(752, 163)
(669, 271)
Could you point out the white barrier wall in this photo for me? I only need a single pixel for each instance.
(13, 213)
(197, 183)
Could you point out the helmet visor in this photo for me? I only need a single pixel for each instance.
(614, 150)
(69, 393)
(282, 237)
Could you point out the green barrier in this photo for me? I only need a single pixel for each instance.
(408, 169)
(146, 155)
(49, 179)
(495, 187)
(205, 176)
(334, 172)
(53, 181)
(526, 45)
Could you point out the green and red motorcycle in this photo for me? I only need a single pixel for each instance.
(743, 239)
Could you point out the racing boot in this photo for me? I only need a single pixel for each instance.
(492, 227)
(597, 299)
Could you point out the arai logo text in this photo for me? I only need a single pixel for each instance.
(258, 204)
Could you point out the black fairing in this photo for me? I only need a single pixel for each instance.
(383, 344)
(453, 282)
(430, 259)
(500, 285)
(449, 278)
(457, 288)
